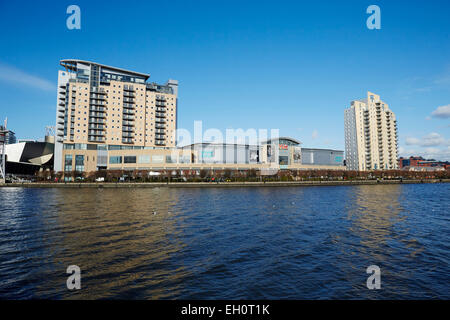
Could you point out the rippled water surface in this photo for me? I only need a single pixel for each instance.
(226, 243)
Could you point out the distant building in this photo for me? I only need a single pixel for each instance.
(9, 137)
(280, 153)
(416, 163)
(28, 157)
(371, 141)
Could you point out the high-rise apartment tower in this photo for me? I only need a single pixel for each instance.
(371, 141)
(102, 108)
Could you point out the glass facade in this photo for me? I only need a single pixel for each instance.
(158, 159)
(171, 159)
(68, 163)
(144, 159)
(129, 159)
(79, 163)
(115, 159)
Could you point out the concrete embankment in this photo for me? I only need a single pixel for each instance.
(218, 185)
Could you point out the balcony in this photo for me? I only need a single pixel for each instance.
(127, 135)
(160, 115)
(160, 143)
(98, 109)
(128, 106)
(128, 100)
(96, 127)
(96, 139)
(96, 133)
(97, 96)
(97, 114)
(160, 120)
(127, 123)
(97, 103)
(160, 126)
(128, 88)
(128, 112)
(96, 121)
(159, 109)
(129, 94)
(127, 140)
(127, 129)
(98, 90)
(129, 118)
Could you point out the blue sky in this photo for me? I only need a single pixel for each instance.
(292, 65)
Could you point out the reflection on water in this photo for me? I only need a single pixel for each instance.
(268, 243)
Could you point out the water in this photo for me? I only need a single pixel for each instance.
(226, 243)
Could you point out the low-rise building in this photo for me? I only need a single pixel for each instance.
(26, 158)
(417, 162)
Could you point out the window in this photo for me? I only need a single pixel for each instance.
(284, 160)
(115, 159)
(68, 147)
(129, 159)
(80, 146)
(171, 159)
(185, 159)
(101, 147)
(68, 162)
(144, 159)
(79, 163)
(158, 159)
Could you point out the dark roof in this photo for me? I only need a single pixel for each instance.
(71, 65)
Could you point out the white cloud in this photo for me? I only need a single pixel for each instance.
(431, 140)
(431, 146)
(442, 112)
(315, 134)
(15, 76)
(412, 141)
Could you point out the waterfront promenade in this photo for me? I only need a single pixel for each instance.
(217, 184)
